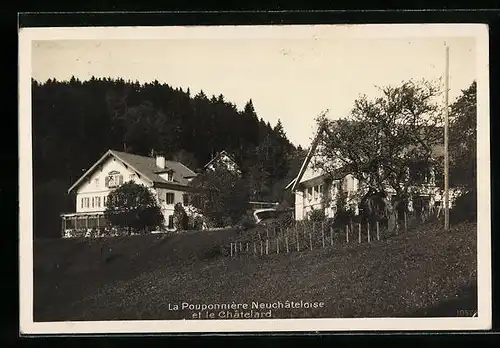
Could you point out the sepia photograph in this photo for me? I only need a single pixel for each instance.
(254, 178)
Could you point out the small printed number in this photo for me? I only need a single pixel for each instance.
(467, 313)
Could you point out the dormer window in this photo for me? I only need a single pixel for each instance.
(170, 175)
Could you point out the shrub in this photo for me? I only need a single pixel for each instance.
(195, 222)
(133, 207)
(465, 208)
(221, 195)
(317, 215)
(285, 220)
(180, 218)
(227, 221)
(247, 222)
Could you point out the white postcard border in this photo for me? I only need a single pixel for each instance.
(481, 322)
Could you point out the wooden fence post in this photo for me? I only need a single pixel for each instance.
(323, 234)
(286, 243)
(406, 222)
(331, 236)
(231, 249)
(267, 246)
(261, 248)
(347, 234)
(247, 248)
(277, 245)
(297, 236)
(310, 241)
(368, 231)
(241, 247)
(359, 233)
(378, 234)
(254, 248)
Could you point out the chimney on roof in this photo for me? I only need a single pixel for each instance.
(160, 161)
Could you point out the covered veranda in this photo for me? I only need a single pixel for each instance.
(91, 221)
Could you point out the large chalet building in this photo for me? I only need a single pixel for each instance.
(313, 189)
(168, 180)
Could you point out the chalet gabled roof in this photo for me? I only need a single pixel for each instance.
(218, 156)
(145, 166)
(303, 168)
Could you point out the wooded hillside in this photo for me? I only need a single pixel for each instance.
(75, 122)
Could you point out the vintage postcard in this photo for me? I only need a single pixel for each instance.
(254, 178)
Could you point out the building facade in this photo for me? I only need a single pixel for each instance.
(315, 190)
(167, 180)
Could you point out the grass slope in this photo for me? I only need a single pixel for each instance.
(426, 272)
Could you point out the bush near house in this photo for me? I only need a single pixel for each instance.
(133, 207)
(465, 208)
(181, 220)
(316, 215)
(247, 221)
(221, 195)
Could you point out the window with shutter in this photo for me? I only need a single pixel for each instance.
(185, 199)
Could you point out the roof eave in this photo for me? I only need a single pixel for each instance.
(112, 153)
(80, 179)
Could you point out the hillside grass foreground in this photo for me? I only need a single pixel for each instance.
(426, 272)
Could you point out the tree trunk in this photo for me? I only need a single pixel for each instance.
(392, 213)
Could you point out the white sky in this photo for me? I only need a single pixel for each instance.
(290, 77)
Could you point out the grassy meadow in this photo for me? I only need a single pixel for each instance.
(424, 272)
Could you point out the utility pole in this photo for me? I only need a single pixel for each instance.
(446, 155)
